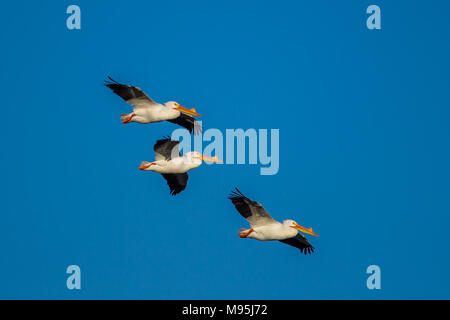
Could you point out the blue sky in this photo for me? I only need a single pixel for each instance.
(363, 152)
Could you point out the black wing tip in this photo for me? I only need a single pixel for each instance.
(301, 243)
(177, 182)
(114, 85)
(307, 250)
(174, 192)
(236, 194)
(189, 123)
(165, 139)
(197, 128)
(111, 81)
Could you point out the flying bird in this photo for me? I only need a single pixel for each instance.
(172, 165)
(264, 228)
(147, 111)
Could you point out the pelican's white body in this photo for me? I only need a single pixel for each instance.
(272, 231)
(153, 113)
(176, 165)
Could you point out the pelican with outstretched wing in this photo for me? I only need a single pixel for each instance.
(172, 165)
(148, 111)
(264, 228)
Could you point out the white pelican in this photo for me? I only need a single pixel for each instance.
(146, 110)
(172, 165)
(265, 228)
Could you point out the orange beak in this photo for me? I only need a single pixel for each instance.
(144, 165)
(191, 112)
(211, 159)
(305, 230)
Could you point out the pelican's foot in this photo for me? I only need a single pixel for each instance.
(245, 234)
(126, 120)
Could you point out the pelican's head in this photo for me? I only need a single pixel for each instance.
(196, 158)
(176, 106)
(296, 226)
